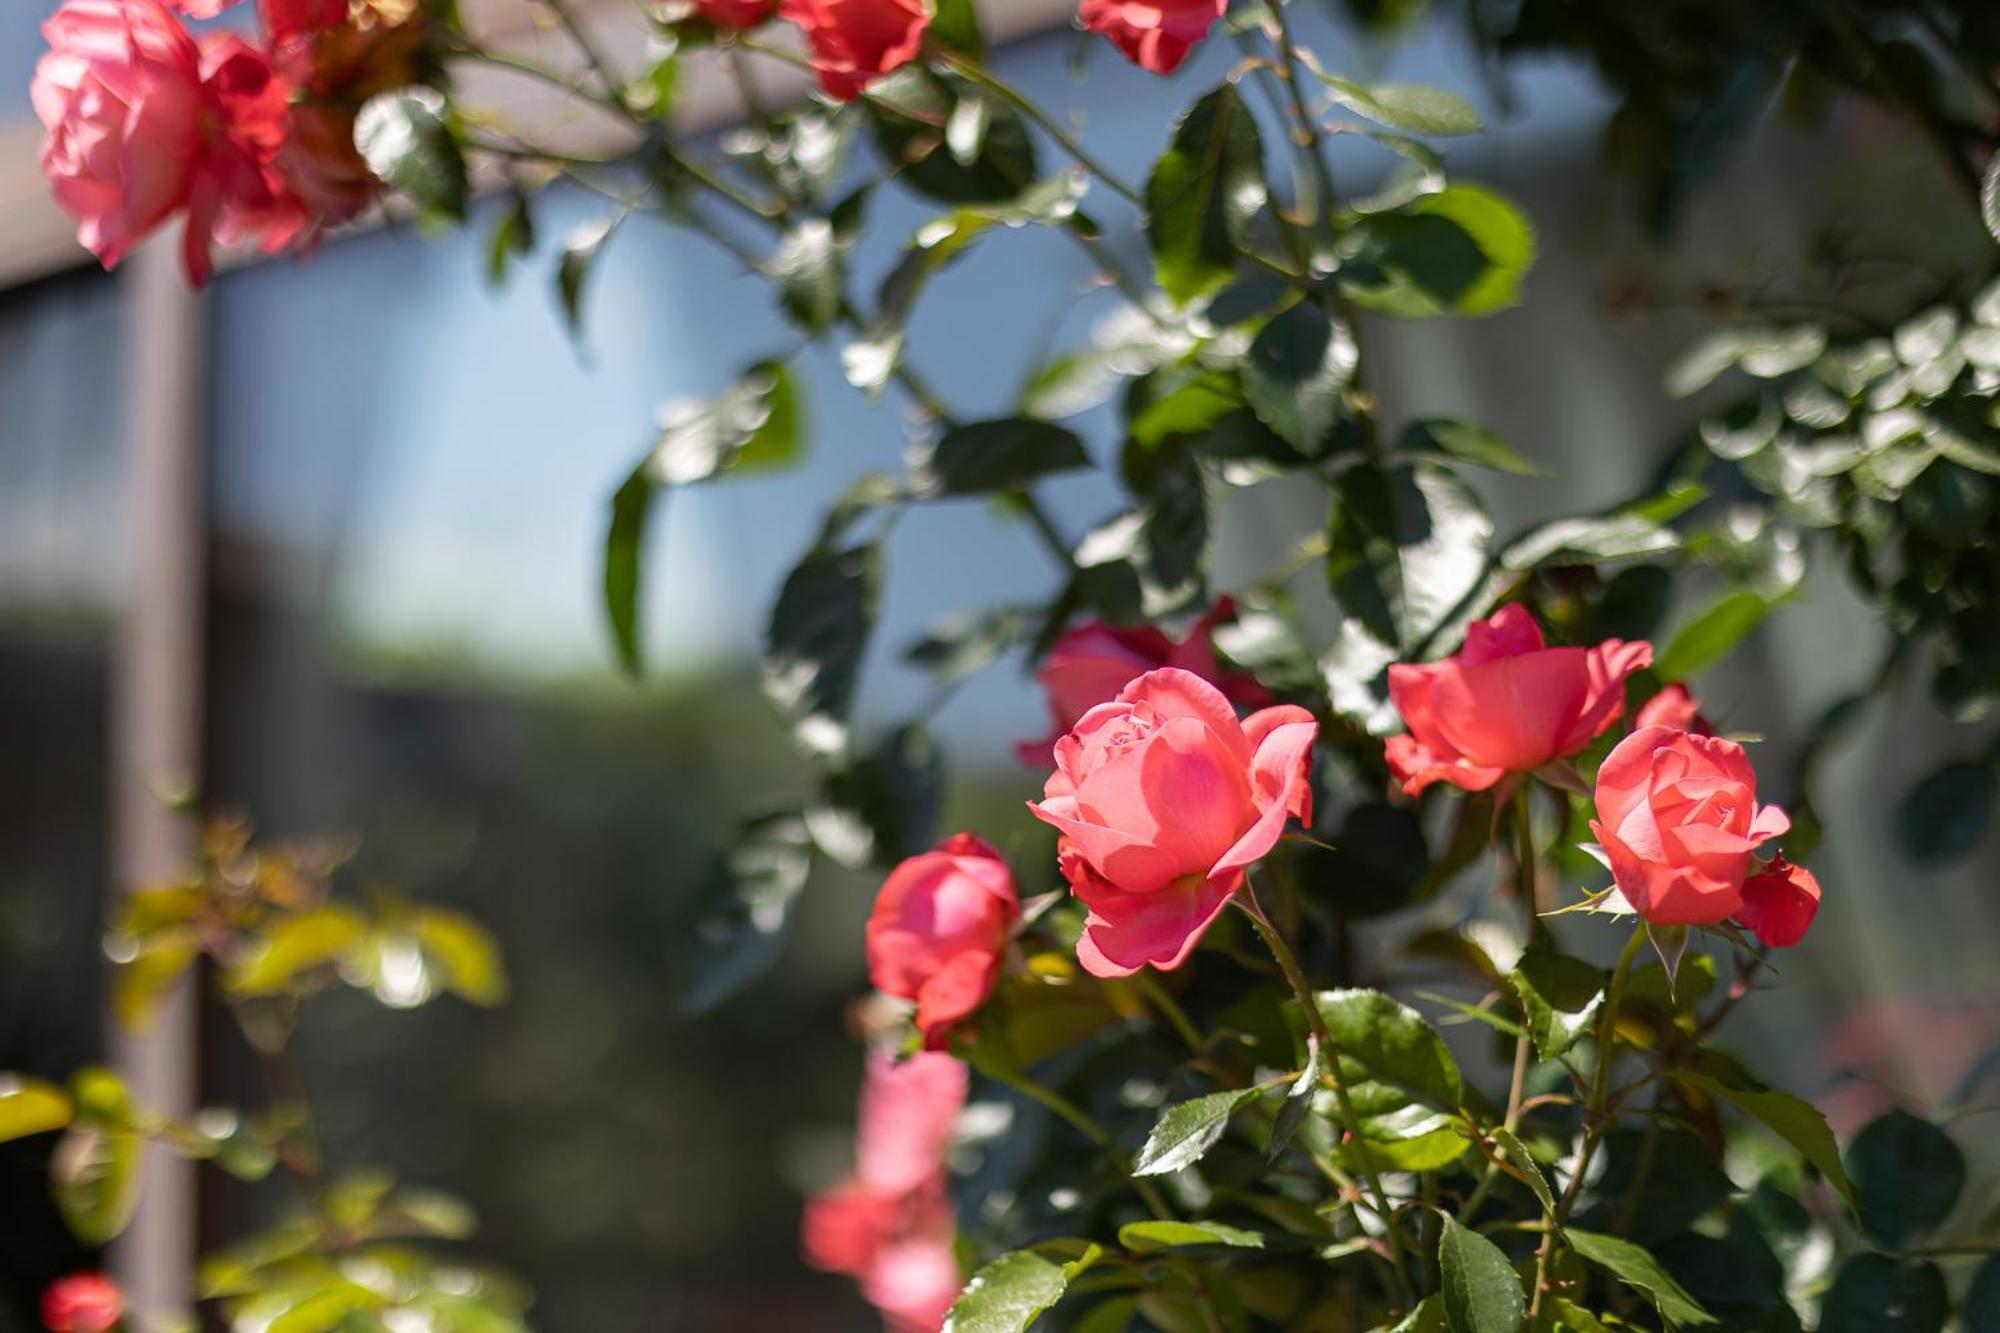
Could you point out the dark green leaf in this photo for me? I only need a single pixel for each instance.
(513, 235)
(818, 634)
(405, 137)
(1203, 193)
(1874, 1293)
(1384, 1041)
(1517, 1153)
(1982, 1303)
(1636, 1268)
(885, 807)
(956, 25)
(910, 112)
(1466, 442)
(965, 646)
(1461, 251)
(1292, 1112)
(1908, 1174)
(1299, 366)
(1406, 548)
(1560, 996)
(809, 268)
(1187, 1130)
(1405, 106)
(1712, 635)
(580, 254)
(1482, 1293)
(1143, 1236)
(1796, 1121)
(1000, 456)
(1944, 817)
(624, 556)
(739, 919)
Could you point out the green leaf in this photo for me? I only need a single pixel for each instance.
(1007, 1295)
(885, 806)
(818, 633)
(1630, 533)
(1638, 1269)
(1517, 1152)
(405, 138)
(513, 236)
(956, 25)
(1203, 193)
(463, 952)
(1874, 1293)
(1143, 1236)
(1712, 635)
(1461, 251)
(1000, 456)
(739, 919)
(31, 1106)
(1432, 1151)
(966, 645)
(1384, 1041)
(143, 983)
(1560, 996)
(579, 256)
(909, 114)
(1793, 1119)
(1944, 817)
(1989, 197)
(1187, 1130)
(1482, 1293)
(753, 426)
(1406, 549)
(1296, 374)
(297, 945)
(1465, 441)
(1406, 106)
(1908, 1175)
(1982, 1301)
(94, 1176)
(809, 267)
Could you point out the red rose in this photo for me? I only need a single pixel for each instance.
(1678, 817)
(940, 929)
(1505, 704)
(890, 1224)
(143, 123)
(1674, 707)
(1156, 34)
(1091, 663)
(855, 42)
(1164, 799)
(1779, 903)
(735, 15)
(82, 1303)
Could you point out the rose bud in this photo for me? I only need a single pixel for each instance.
(1506, 703)
(82, 1303)
(855, 42)
(1779, 903)
(939, 931)
(1154, 34)
(1678, 818)
(1163, 800)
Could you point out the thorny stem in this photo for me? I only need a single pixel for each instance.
(1288, 963)
(1594, 1118)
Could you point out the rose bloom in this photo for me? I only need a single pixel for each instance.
(890, 1224)
(1506, 703)
(735, 15)
(143, 123)
(855, 42)
(1163, 800)
(939, 931)
(1674, 707)
(1154, 34)
(1088, 665)
(82, 1303)
(1779, 903)
(1678, 817)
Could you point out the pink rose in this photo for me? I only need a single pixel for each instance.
(143, 123)
(1091, 663)
(1674, 707)
(1163, 800)
(1155, 34)
(1678, 817)
(1505, 704)
(735, 15)
(890, 1224)
(939, 930)
(855, 42)
(1779, 903)
(82, 1303)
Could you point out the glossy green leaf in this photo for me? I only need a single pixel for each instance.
(1462, 251)
(818, 633)
(1560, 996)
(1406, 106)
(1712, 635)
(1009, 1294)
(909, 113)
(1466, 441)
(809, 267)
(1187, 1130)
(1793, 1119)
(1297, 372)
(1482, 1293)
(1638, 1269)
(31, 1106)
(1406, 549)
(739, 919)
(1908, 1175)
(1517, 1153)
(1203, 193)
(988, 456)
(1384, 1041)
(1874, 1293)
(296, 945)
(885, 806)
(1144, 1236)
(406, 139)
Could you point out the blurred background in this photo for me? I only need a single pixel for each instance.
(403, 476)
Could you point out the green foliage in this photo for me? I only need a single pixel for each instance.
(406, 138)
(1202, 195)
(1908, 1175)
(1482, 1293)
(1636, 1268)
(1186, 1131)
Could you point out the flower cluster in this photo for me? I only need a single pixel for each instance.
(252, 144)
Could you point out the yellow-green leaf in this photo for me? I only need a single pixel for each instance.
(31, 1106)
